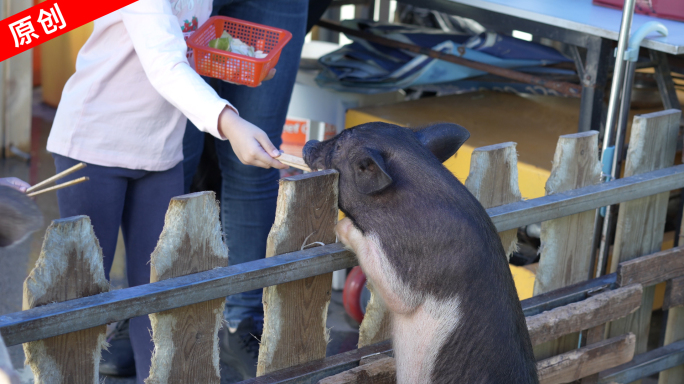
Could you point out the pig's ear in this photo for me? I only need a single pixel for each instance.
(443, 139)
(369, 172)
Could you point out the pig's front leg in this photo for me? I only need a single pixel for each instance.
(375, 264)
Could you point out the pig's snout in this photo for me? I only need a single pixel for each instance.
(310, 151)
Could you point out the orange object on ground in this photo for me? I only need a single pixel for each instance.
(231, 66)
(298, 131)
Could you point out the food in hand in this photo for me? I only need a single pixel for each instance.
(230, 44)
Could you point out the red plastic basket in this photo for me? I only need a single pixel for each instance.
(231, 66)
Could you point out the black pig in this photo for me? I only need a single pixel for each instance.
(432, 253)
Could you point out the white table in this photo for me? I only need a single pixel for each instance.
(580, 24)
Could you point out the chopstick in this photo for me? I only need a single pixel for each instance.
(59, 186)
(293, 161)
(57, 177)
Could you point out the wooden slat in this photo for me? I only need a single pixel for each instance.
(674, 333)
(544, 208)
(376, 325)
(186, 349)
(566, 245)
(382, 371)
(564, 368)
(69, 267)
(316, 370)
(493, 180)
(641, 222)
(78, 314)
(674, 293)
(586, 361)
(295, 313)
(585, 314)
(674, 329)
(652, 269)
(16, 89)
(7, 373)
(594, 335)
(645, 365)
(59, 318)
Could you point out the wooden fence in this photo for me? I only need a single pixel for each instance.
(593, 330)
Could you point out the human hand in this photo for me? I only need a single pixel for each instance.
(16, 183)
(251, 144)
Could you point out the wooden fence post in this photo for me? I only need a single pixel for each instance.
(69, 267)
(566, 242)
(186, 346)
(7, 373)
(493, 180)
(674, 331)
(641, 222)
(377, 324)
(16, 89)
(295, 313)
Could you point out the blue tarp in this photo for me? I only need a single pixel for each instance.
(365, 67)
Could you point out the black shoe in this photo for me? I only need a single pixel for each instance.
(240, 347)
(118, 359)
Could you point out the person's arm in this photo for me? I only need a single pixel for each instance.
(161, 48)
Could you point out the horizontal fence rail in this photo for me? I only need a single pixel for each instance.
(550, 207)
(73, 315)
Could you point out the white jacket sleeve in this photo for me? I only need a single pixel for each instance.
(159, 43)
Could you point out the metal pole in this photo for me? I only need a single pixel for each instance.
(618, 76)
(618, 72)
(611, 211)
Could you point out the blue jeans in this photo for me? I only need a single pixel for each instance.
(135, 200)
(248, 193)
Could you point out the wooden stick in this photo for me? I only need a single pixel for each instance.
(60, 186)
(56, 177)
(293, 161)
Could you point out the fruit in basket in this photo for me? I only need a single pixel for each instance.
(230, 44)
(222, 43)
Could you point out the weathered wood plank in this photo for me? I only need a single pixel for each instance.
(674, 293)
(316, 370)
(564, 368)
(382, 371)
(641, 222)
(585, 314)
(295, 313)
(544, 208)
(69, 267)
(186, 339)
(674, 333)
(652, 269)
(586, 361)
(16, 89)
(493, 180)
(376, 325)
(566, 242)
(7, 373)
(674, 330)
(594, 335)
(645, 365)
(59, 318)
(78, 314)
